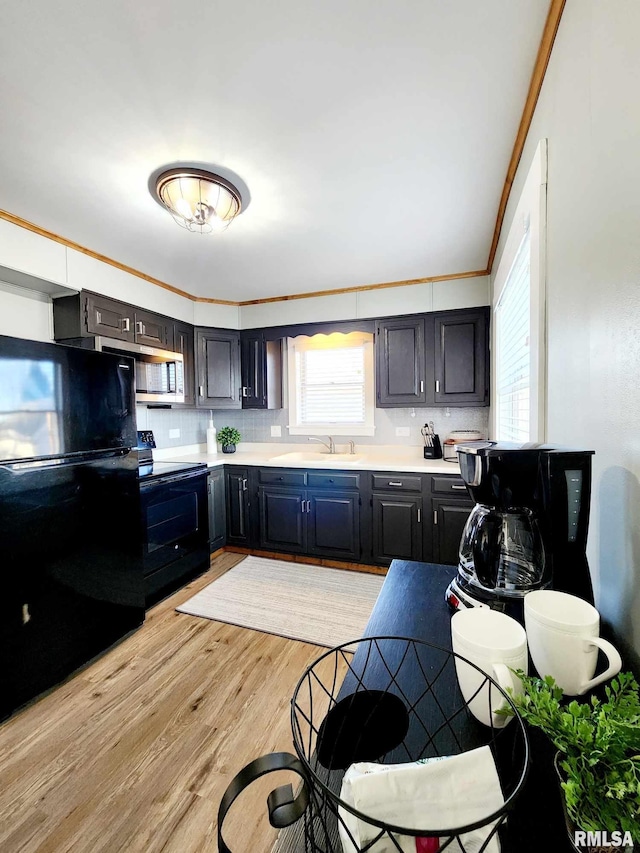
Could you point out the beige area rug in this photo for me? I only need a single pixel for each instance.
(314, 604)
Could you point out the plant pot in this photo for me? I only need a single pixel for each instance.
(570, 825)
(228, 448)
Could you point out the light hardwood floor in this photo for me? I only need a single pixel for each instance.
(134, 752)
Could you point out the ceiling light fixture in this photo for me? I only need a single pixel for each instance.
(198, 200)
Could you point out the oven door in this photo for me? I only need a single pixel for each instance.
(175, 528)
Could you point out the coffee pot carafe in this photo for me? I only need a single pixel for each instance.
(502, 551)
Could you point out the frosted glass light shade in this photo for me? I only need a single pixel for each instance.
(198, 200)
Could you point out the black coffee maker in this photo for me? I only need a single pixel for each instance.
(528, 529)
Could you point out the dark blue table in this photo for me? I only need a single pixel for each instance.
(411, 604)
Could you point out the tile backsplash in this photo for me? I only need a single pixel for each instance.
(255, 425)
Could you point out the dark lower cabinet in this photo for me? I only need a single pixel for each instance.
(372, 517)
(333, 525)
(238, 506)
(282, 519)
(449, 519)
(397, 528)
(217, 509)
(301, 521)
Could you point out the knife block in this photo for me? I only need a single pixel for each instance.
(435, 451)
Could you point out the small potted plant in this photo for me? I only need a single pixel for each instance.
(228, 437)
(598, 758)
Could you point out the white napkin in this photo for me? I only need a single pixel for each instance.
(440, 792)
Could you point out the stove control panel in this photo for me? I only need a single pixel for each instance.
(146, 439)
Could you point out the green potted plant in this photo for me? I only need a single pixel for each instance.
(598, 759)
(228, 437)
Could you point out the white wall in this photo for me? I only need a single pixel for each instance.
(25, 314)
(382, 302)
(590, 112)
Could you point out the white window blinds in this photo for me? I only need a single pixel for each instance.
(513, 356)
(330, 385)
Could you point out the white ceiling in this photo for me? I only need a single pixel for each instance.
(374, 137)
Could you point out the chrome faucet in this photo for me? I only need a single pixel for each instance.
(352, 447)
(331, 445)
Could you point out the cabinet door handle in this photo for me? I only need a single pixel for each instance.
(99, 317)
(435, 516)
(437, 386)
(303, 506)
(139, 327)
(419, 516)
(124, 324)
(422, 386)
(458, 488)
(394, 483)
(308, 506)
(201, 390)
(244, 391)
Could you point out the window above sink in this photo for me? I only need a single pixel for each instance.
(331, 384)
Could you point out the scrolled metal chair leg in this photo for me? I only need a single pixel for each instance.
(284, 809)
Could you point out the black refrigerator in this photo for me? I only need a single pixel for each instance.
(72, 581)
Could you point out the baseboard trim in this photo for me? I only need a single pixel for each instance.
(303, 558)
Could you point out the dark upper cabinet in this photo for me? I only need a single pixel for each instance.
(238, 506)
(152, 329)
(89, 314)
(461, 358)
(218, 369)
(400, 362)
(183, 342)
(437, 359)
(108, 317)
(217, 509)
(261, 366)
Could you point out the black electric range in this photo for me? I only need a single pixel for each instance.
(175, 522)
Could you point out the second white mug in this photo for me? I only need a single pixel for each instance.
(563, 635)
(495, 643)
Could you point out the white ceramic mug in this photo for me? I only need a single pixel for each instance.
(563, 634)
(496, 644)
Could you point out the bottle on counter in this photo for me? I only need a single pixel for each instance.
(212, 443)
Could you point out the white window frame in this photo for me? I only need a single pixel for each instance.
(530, 214)
(339, 339)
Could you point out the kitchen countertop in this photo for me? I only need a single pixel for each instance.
(366, 458)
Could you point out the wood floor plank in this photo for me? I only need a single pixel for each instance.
(134, 752)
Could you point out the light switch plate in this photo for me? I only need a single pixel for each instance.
(276, 432)
(403, 432)
(174, 433)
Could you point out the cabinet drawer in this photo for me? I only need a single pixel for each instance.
(399, 482)
(278, 476)
(320, 479)
(449, 486)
